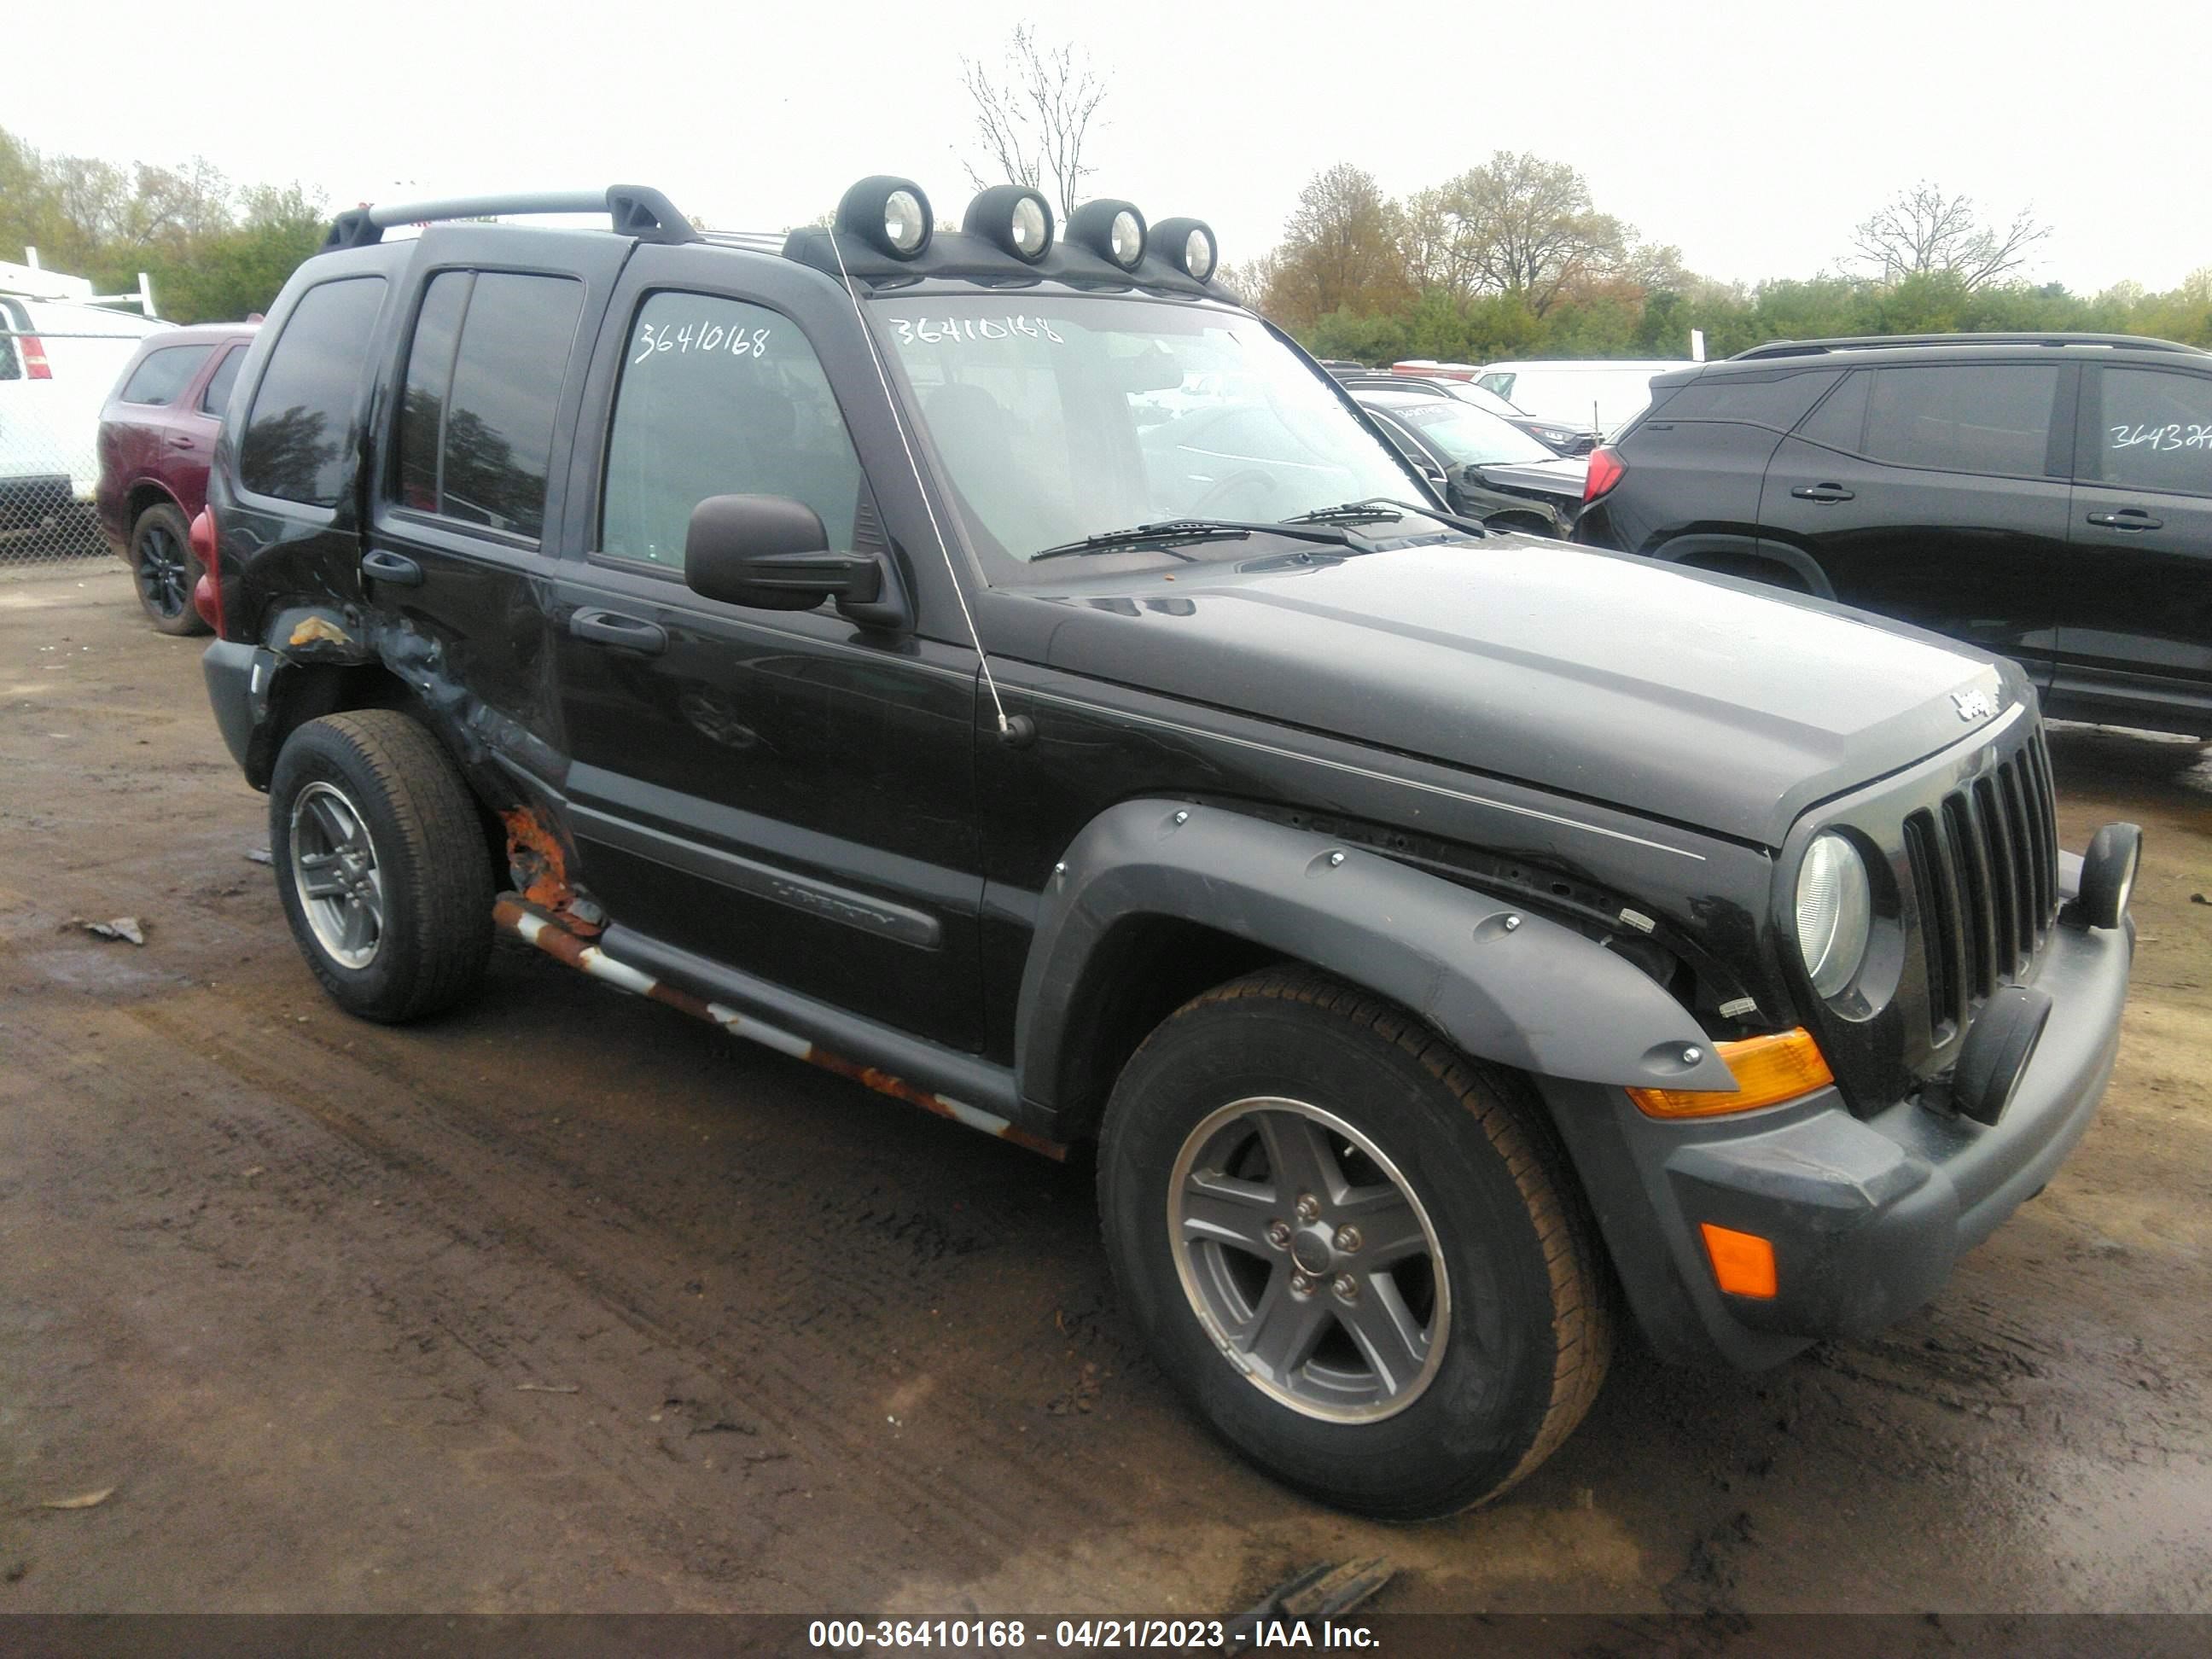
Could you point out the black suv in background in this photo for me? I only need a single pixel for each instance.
(1441, 936)
(2047, 496)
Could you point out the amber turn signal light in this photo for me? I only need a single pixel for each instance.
(1743, 1263)
(1768, 1070)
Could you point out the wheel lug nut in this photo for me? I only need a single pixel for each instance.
(1348, 1238)
(1346, 1286)
(1309, 1207)
(1278, 1233)
(1301, 1285)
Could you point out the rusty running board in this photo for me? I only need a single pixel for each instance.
(549, 934)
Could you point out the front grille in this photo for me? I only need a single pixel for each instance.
(1985, 864)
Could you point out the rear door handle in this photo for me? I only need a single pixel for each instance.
(183, 440)
(2128, 518)
(393, 568)
(1821, 492)
(612, 628)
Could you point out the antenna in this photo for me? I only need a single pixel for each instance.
(898, 421)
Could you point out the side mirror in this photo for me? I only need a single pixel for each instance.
(770, 552)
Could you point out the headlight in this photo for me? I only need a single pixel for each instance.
(1835, 912)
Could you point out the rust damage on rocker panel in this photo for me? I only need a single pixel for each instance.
(539, 865)
(561, 936)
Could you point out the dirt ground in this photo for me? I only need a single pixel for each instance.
(566, 1303)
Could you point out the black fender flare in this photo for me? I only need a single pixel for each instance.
(1503, 984)
(1689, 549)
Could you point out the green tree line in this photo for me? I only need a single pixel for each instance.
(215, 251)
(1512, 259)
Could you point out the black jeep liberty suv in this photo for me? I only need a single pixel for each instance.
(999, 667)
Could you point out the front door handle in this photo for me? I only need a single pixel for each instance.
(2128, 518)
(1821, 492)
(396, 568)
(612, 628)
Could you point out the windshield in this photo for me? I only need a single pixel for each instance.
(1058, 417)
(1471, 436)
(1467, 392)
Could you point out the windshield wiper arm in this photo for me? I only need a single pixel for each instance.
(1168, 530)
(1374, 507)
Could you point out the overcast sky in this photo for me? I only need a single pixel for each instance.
(1754, 136)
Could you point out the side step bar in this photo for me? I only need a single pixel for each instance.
(579, 950)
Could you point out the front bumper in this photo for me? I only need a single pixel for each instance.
(1867, 1215)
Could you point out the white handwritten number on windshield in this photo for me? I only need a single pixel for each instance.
(929, 330)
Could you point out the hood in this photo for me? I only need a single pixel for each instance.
(1563, 476)
(1713, 702)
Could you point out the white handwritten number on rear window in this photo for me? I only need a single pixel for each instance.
(2162, 438)
(698, 336)
(929, 331)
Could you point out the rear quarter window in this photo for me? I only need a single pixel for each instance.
(298, 435)
(1777, 401)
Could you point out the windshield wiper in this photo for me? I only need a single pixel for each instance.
(1168, 530)
(1375, 508)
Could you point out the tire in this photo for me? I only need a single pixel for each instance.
(1519, 1326)
(164, 570)
(377, 777)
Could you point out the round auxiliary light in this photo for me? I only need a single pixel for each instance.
(1189, 246)
(1126, 242)
(1835, 912)
(1114, 231)
(891, 214)
(1013, 218)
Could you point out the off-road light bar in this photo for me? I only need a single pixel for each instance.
(1189, 246)
(891, 214)
(1014, 218)
(1114, 231)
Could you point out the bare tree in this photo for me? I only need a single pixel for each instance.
(1924, 230)
(1034, 115)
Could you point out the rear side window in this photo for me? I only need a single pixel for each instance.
(719, 397)
(484, 384)
(295, 440)
(160, 378)
(1778, 401)
(2157, 433)
(1978, 417)
(216, 398)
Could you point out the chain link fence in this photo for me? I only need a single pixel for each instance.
(50, 403)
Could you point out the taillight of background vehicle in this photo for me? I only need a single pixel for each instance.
(207, 592)
(1606, 470)
(35, 367)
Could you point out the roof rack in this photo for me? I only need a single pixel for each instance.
(1880, 341)
(637, 210)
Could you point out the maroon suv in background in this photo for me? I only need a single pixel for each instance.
(156, 436)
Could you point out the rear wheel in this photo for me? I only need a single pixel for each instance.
(1360, 1256)
(382, 863)
(164, 571)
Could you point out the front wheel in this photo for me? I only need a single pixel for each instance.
(1361, 1257)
